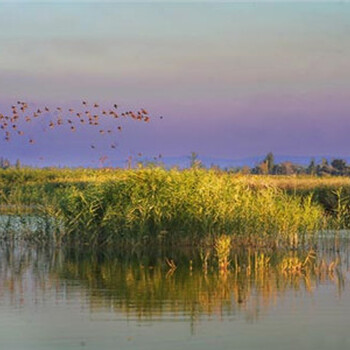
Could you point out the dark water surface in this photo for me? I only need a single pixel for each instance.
(64, 299)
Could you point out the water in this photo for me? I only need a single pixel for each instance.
(64, 299)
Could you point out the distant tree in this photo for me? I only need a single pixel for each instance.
(339, 166)
(194, 160)
(18, 164)
(270, 162)
(4, 163)
(288, 168)
(277, 169)
(324, 168)
(311, 169)
(263, 168)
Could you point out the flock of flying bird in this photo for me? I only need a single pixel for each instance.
(12, 123)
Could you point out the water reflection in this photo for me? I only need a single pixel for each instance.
(143, 284)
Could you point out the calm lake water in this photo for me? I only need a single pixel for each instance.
(64, 299)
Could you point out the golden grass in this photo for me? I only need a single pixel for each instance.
(101, 206)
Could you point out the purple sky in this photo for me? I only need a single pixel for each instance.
(231, 80)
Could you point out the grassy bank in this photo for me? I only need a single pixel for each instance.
(107, 206)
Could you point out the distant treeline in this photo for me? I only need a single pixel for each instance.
(269, 167)
(336, 167)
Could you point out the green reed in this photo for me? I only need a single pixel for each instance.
(102, 207)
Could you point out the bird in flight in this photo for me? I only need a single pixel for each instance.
(14, 118)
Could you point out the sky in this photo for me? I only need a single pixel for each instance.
(231, 80)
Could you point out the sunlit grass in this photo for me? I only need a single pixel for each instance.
(108, 206)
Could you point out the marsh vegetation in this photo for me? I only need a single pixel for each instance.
(169, 251)
(177, 207)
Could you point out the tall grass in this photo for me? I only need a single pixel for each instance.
(104, 207)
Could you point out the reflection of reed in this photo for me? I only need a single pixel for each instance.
(144, 287)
